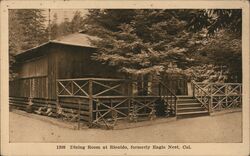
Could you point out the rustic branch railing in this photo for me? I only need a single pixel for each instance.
(218, 96)
(169, 97)
(114, 99)
(202, 96)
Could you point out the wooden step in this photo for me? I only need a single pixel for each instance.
(189, 108)
(194, 112)
(188, 104)
(185, 97)
(186, 100)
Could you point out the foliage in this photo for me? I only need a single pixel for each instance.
(32, 26)
(149, 41)
(66, 27)
(54, 27)
(209, 73)
(214, 19)
(141, 44)
(27, 30)
(224, 49)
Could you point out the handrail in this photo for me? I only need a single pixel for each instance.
(206, 105)
(91, 78)
(171, 95)
(168, 89)
(216, 83)
(196, 84)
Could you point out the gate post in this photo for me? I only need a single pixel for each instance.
(90, 102)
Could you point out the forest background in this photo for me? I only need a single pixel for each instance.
(205, 45)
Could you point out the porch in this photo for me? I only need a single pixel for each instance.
(110, 100)
(101, 102)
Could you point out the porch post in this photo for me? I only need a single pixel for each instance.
(193, 88)
(90, 102)
(57, 97)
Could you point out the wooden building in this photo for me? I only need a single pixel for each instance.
(67, 57)
(41, 68)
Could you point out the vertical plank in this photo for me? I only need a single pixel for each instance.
(57, 97)
(193, 86)
(175, 103)
(47, 87)
(90, 102)
(79, 113)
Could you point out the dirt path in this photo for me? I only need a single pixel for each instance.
(221, 128)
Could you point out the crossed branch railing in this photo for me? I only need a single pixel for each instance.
(218, 96)
(114, 98)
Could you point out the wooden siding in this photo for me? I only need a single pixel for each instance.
(33, 68)
(76, 62)
(176, 83)
(52, 68)
(29, 87)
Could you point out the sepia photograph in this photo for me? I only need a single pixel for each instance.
(159, 78)
(160, 73)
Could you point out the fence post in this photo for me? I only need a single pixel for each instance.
(79, 113)
(57, 96)
(90, 102)
(226, 94)
(29, 108)
(129, 94)
(193, 87)
(175, 102)
(210, 105)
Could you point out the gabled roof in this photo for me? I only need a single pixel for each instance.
(76, 39)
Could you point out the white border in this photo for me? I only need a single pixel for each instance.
(49, 148)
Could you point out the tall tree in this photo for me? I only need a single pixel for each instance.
(27, 30)
(15, 38)
(148, 41)
(32, 24)
(67, 26)
(215, 19)
(224, 48)
(76, 22)
(54, 27)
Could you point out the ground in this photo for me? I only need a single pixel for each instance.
(220, 128)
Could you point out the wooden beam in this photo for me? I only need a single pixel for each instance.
(90, 102)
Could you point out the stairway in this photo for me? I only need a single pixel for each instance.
(188, 106)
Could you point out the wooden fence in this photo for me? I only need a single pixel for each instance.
(218, 96)
(112, 99)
